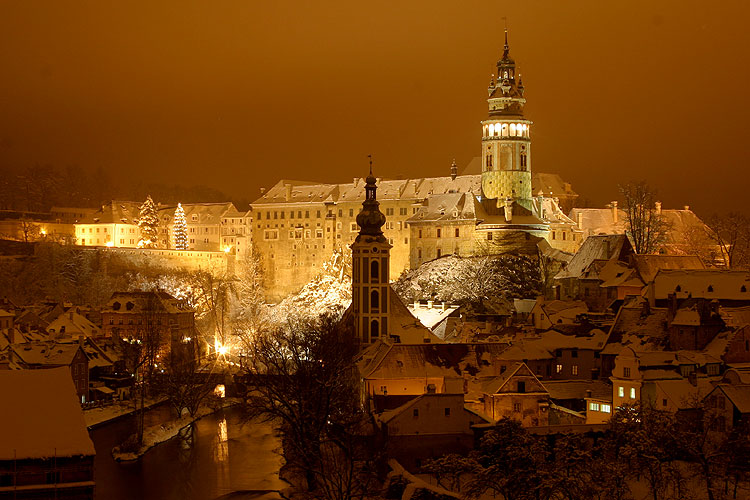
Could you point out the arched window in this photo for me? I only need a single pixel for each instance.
(512, 129)
(710, 288)
(489, 160)
(523, 159)
(678, 288)
(374, 300)
(374, 328)
(492, 129)
(374, 271)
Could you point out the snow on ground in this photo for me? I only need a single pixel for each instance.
(164, 432)
(96, 416)
(329, 291)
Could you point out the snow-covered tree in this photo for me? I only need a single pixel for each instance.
(148, 223)
(180, 229)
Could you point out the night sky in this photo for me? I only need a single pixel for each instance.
(239, 94)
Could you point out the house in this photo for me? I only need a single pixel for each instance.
(730, 404)
(568, 281)
(208, 224)
(113, 225)
(427, 427)
(662, 379)
(72, 325)
(547, 314)
(606, 281)
(693, 323)
(135, 315)
(647, 266)
(685, 235)
(574, 394)
(45, 448)
(516, 394)
(51, 354)
(576, 355)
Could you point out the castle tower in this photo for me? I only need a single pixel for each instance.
(506, 140)
(370, 270)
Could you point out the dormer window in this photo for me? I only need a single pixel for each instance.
(678, 288)
(710, 288)
(129, 306)
(743, 289)
(194, 217)
(116, 306)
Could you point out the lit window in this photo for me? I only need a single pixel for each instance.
(606, 408)
(594, 406)
(621, 392)
(558, 368)
(574, 369)
(632, 393)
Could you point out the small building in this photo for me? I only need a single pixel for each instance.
(45, 449)
(426, 427)
(547, 314)
(51, 354)
(72, 325)
(519, 395)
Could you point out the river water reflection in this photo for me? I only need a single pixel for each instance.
(216, 457)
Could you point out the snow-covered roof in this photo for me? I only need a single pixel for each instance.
(596, 248)
(739, 395)
(383, 360)
(496, 384)
(551, 340)
(706, 283)
(41, 415)
(648, 265)
(46, 353)
(71, 323)
(115, 212)
(206, 213)
(684, 394)
(640, 327)
(431, 314)
(137, 302)
(388, 415)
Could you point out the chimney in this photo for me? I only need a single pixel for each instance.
(614, 212)
(567, 187)
(454, 170)
(288, 192)
(687, 207)
(657, 206)
(355, 181)
(429, 304)
(416, 305)
(508, 209)
(262, 190)
(580, 220)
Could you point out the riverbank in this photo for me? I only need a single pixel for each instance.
(95, 417)
(157, 434)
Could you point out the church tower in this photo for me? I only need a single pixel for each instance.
(370, 270)
(506, 141)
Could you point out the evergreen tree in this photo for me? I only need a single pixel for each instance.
(148, 223)
(180, 229)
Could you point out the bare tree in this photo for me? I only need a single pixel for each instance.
(646, 227)
(301, 377)
(188, 378)
(731, 232)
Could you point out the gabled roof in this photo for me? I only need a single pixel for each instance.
(615, 274)
(206, 213)
(496, 385)
(389, 415)
(739, 395)
(73, 324)
(682, 393)
(596, 248)
(451, 207)
(552, 340)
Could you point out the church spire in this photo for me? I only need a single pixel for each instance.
(370, 219)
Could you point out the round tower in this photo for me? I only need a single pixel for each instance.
(506, 138)
(370, 270)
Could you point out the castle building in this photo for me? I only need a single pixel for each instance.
(498, 207)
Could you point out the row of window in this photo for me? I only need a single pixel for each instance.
(506, 130)
(415, 412)
(621, 392)
(602, 407)
(123, 230)
(564, 235)
(439, 233)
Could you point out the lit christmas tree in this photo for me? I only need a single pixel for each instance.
(180, 229)
(148, 223)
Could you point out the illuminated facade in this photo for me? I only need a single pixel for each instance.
(506, 138)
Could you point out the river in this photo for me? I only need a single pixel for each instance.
(217, 457)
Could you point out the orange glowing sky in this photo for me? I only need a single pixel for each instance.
(239, 94)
